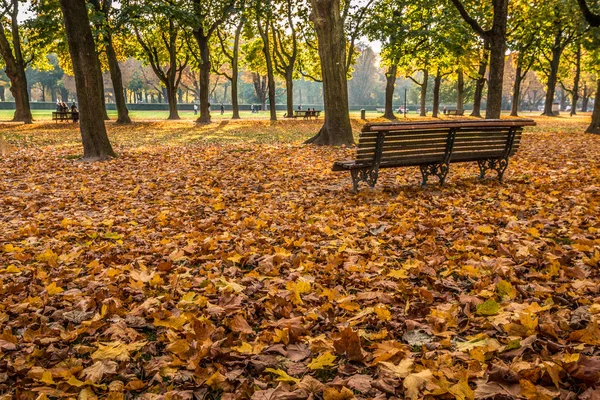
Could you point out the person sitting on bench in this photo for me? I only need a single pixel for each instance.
(75, 113)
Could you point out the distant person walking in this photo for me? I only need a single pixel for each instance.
(195, 109)
(222, 109)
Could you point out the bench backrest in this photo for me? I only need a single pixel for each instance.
(417, 143)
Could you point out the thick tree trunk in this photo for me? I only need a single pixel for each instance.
(96, 145)
(595, 125)
(172, 97)
(514, 111)
(64, 93)
(424, 93)
(585, 98)
(480, 82)
(289, 89)
(329, 26)
(495, 82)
(436, 94)
(460, 91)
(552, 77)
(15, 70)
(576, 79)
(117, 81)
(390, 87)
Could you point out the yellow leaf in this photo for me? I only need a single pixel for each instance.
(244, 348)
(173, 322)
(11, 269)
(533, 232)
(383, 312)
(47, 378)
(216, 380)
(282, 376)
(52, 289)
(398, 274)
(324, 360)
(485, 229)
(413, 383)
(462, 391)
(401, 370)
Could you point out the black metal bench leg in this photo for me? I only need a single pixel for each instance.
(498, 165)
(355, 180)
(368, 175)
(439, 170)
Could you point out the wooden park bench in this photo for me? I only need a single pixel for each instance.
(455, 113)
(307, 114)
(433, 146)
(62, 116)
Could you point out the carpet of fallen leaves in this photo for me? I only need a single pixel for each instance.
(229, 262)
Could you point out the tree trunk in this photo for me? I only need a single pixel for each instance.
(514, 112)
(234, 70)
(552, 77)
(101, 83)
(436, 94)
(2, 93)
(117, 81)
(289, 88)
(390, 87)
(576, 79)
(43, 93)
(96, 145)
(495, 82)
(15, 70)
(172, 98)
(203, 44)
(595, 125)
(64, 93)
(264, 33)
(424, 93)
(460, 90)
(584, 98)
(480, 82)
(329, 26)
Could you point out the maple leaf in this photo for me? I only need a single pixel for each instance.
(324, 360)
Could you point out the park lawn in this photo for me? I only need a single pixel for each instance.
(229, 261)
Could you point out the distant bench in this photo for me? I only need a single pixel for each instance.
(64, 116)
(455, 112)
(433, 146)
(307, 114)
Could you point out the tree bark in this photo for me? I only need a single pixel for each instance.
(576, 79)
(264, 34)
(117, 81)
(479, 86)
(424, 93)
(436, 93)
(203, 44)
(595, 124)
(289, 91)
(336, 129)
(584, 98)
(101, 83)
(552, 77)
(514, 111)
(460, 91)
(390, 87)
(96, 145)
(2, 93)
(234, 71)
(496, 77)
(15, 70)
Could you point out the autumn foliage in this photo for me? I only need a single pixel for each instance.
(228, 261)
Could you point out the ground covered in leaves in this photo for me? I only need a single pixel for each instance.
(228, 262)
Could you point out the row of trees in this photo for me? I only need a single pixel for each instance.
(318, 40)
